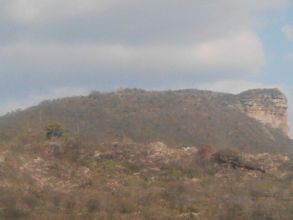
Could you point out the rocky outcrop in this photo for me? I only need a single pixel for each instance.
(270, 106)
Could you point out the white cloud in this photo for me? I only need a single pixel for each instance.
(36, 11)
(288, 32)
(239, 52)
(113, 37)
(149, 14)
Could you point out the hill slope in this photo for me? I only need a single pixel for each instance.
(185, 117)
(117, 166)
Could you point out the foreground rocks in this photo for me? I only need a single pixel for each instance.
(62, 179)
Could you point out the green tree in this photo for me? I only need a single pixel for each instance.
(54, 130)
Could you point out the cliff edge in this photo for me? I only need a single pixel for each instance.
(269, 106)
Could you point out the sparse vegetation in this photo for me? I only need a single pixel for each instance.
(189, 117)
(114, 167)
(142, 181)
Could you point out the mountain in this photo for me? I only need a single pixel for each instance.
(135, 154)
(255, 120)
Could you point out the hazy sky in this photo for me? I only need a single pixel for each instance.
(56, 48)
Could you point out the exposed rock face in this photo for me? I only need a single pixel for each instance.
(268, 106)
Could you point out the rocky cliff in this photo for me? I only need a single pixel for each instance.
(270, 106)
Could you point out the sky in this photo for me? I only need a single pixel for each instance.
(57, 48)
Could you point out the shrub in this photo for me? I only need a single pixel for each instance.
(228, 157)
(54, 130)
(13, 213)
(93, 206)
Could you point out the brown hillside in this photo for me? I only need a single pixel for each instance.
(185, 117)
